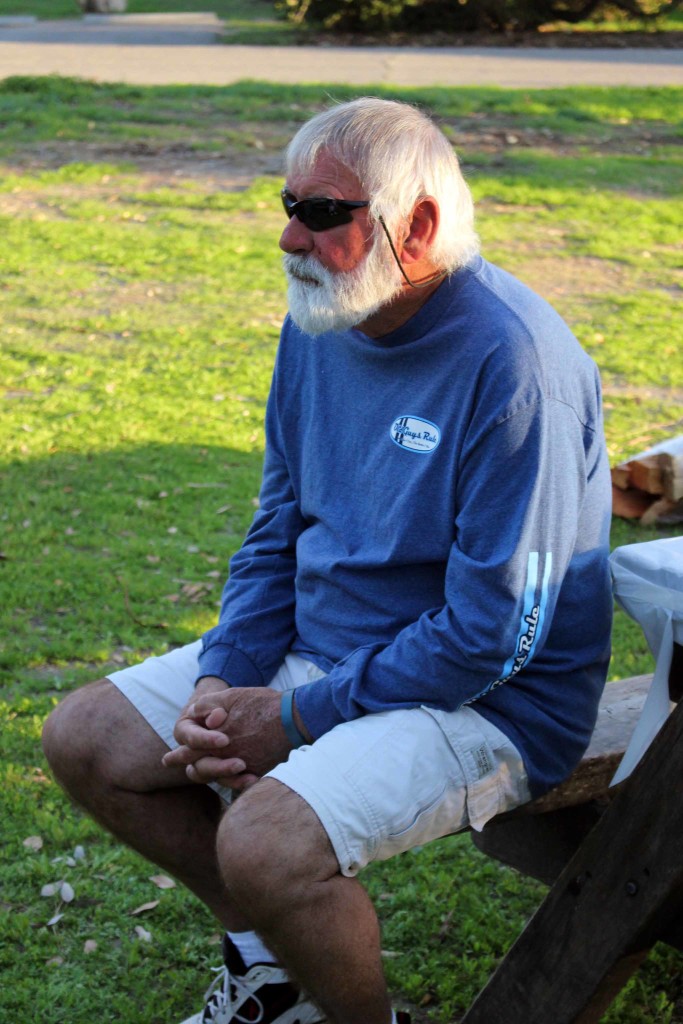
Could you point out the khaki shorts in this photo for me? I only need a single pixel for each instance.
(381, 784)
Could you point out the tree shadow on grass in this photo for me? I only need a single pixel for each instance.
(111, 554)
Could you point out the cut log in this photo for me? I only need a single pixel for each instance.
(621, 477)
(103, 6)
(658, 511)
(630, 503)
(672, 476)
(646, 474)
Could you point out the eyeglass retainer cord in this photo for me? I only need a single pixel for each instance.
(413, 284)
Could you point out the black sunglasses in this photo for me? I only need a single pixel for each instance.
(320, 214)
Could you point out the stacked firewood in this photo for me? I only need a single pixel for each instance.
(649, 487)
(103, 6)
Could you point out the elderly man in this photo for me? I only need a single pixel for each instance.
(415, 632)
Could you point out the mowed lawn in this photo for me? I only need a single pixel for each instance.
(140, 297)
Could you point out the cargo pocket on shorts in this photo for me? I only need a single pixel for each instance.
(444, 814)
(485, 796)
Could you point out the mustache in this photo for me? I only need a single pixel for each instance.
(303, 267)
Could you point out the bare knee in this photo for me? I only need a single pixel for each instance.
(70, 732)
(96, 737)
(271, 849)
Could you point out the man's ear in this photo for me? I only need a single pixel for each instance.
(421, 230)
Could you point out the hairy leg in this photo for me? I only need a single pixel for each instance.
(106, 756)
(281, 871)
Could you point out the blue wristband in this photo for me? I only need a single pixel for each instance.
(288, 723)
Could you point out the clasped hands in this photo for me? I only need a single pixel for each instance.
(229, 736)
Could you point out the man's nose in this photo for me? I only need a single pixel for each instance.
(296, 237)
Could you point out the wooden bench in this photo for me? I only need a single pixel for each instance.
(614, 859)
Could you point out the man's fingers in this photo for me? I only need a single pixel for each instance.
(211, 769)
(216, 718)
(183, 755)
(191, 734)
(213, 702)
(201, 707)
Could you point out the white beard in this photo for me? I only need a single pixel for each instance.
(321, 301)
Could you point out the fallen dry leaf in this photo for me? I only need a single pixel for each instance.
(194, 592)
(66, 893)
(33, 843)
(162, 881)
(53, 920)
(143, 934)
(144, 906)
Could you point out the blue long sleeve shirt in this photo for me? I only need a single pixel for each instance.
(433, 525)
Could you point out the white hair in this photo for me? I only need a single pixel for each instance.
(399, 156)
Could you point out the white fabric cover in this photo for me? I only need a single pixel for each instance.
(648, 585)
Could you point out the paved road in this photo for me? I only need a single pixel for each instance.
(186, 49)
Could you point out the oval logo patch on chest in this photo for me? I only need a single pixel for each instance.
(415, 434)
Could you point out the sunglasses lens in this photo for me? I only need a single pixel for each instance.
(316, 214)
(289, 203)
(322, 214)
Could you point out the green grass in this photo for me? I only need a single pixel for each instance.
(140, 314)
(203, 119)
(39, 8)
(615, 20)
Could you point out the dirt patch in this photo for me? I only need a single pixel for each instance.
(233, 168)
(581, 275)
(490, 134)
(159, 164)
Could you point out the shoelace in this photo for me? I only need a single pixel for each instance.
(219, 998)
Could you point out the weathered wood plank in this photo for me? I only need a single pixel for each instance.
(619, 711)
(539, 838)
(539, 845)
(619, 893)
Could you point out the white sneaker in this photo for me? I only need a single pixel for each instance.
(262, 994)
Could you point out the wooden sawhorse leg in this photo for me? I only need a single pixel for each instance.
(620, 893)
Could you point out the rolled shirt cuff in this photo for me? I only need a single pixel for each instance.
(229, 664)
